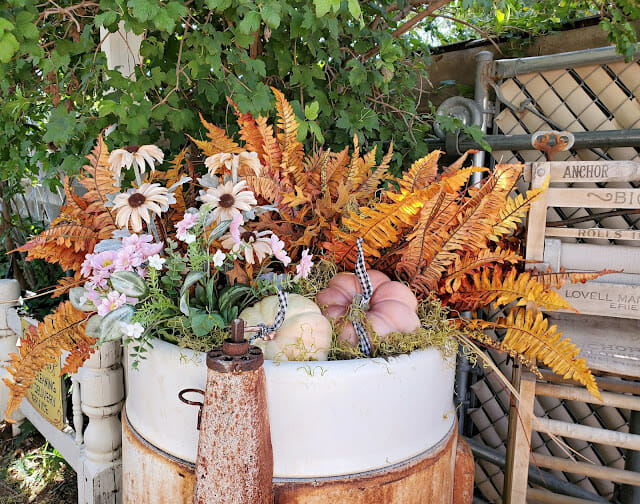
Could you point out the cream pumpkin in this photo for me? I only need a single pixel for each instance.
(304, 335)
(392, 307)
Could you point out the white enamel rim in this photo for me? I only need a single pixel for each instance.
(327, 418)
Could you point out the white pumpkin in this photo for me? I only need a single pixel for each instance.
(304, 335)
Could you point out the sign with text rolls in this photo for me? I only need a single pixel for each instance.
(46, 394)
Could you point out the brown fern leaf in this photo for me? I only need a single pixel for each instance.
(272, 155)
(460, 180)
(218, 141)
(99, 181)
(74, 203)
(292, 150)
(421, 173)
(363, 167)
(468, 234)
(68, 240)
(514, 211)
(61, 331)
(529, 335)
(337, 171)
(264, 187)
(66, 283)
(368, 188)
(500, 287)
(354, 162)
(249, 131)
(454, 167)
(556, 280)
(437, 213)
(471, 262)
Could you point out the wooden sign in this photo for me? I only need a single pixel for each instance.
(593, 198)
(609, 300)
(590, 171)
(46, 394)
(608, 344)
(600, 233)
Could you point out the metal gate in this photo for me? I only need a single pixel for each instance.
(595, 95)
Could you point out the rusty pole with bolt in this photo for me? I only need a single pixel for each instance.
(234, 464)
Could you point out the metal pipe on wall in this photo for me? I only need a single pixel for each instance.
(583, 140)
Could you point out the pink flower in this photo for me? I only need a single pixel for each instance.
(234, 227)
(188, 221)
(277, 245)
(113, 300)
(128, 258)
(303, 269)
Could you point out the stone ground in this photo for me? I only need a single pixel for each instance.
(32, 471)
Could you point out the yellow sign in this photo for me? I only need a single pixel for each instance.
(46, 393)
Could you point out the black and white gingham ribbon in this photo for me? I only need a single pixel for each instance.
(362, 300)
(263, 329)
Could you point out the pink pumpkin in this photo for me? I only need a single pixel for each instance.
(392, 307)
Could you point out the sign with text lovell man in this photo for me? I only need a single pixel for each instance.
(46, 394)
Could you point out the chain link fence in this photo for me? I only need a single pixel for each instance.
(595, 91)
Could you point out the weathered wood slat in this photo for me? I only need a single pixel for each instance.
(586, 469)
(580, 394)
(591, 434)
(538, 496)
(593, 198)
(597, 233)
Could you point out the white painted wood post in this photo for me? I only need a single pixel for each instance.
(102, 395)
(122, 50)
(9, 291)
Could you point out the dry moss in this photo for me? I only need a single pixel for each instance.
(436, 331)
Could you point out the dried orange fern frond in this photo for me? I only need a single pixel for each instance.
(61, 331)
(515, 209)
(99, 181)
(435, 217)
(272, 155)
(68, 240)
(292, 150)
(422, 172)
(556, 280)
(382, 224)
(367, 189)
(218, 141)
(501, 287)
(249, 131)
(528, 334)
(471, 262)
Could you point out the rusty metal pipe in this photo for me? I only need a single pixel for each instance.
(234, 464)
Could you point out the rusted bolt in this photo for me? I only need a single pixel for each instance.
(235, 355)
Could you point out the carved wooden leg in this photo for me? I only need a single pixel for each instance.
(9, 291)
(102, 393)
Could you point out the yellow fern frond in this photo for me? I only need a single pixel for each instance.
(514, 211)
(382, 224)
(493, 285)
(61, 331)
(528, 334)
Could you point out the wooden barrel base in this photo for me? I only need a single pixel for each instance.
(151, 475)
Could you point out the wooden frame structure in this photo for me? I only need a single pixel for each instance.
(607, 331)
